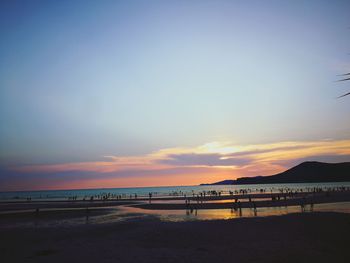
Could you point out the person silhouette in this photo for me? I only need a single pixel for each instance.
(240, 208)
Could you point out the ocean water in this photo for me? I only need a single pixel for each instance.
(159, 191)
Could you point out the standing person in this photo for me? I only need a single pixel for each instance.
(240, 208)
(235, 206)
(150, 197)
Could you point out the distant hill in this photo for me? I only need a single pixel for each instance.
(225, 182)
(307, 172)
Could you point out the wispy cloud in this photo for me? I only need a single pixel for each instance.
(187, 165)
(203, 159)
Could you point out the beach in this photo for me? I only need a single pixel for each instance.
(301, 237)
(196, 201)
(302, 227)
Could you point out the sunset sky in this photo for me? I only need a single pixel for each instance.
(152, 93)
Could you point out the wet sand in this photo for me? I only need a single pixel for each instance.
(33, 205)
(303, 237)
(257, 200)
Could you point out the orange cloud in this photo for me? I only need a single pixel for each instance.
(206, 163)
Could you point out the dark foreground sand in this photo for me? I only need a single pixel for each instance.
(307, 237)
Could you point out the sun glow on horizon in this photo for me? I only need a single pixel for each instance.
(142, 93)
(206, 163)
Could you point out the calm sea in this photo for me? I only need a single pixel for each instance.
(158, 191)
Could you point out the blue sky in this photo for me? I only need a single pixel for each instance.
(81, 80)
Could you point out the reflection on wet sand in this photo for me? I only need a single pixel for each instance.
(214, 214)
(201, 207)
(105, 215)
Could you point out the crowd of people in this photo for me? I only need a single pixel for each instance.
(276, 194)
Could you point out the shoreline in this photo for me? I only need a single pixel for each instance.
(183, 203)
(73, 212)
(300, 201)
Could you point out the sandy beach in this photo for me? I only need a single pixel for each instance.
(133, 230)
(307, 237)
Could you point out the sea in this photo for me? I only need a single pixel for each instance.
(164, 191)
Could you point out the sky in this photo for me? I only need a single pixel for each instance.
(100, 94)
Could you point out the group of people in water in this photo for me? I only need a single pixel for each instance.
(276, 194)
(249, 198)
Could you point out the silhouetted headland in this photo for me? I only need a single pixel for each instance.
(306, 172)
